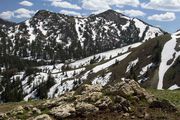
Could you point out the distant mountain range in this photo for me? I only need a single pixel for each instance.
(52, 53)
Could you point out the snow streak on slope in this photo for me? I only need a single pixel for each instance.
(65, 80)
(80, 28)
(102, 80)
(168, 53)
(151, 31)
(30, 31)
(144, 69)
(141, 26)
(132, 64)
(104, 55)
(109, 63)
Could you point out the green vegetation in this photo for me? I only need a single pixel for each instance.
(5, 107)
(173, 96)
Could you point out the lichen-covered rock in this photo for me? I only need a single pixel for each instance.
(2, 116)
(121, 88)
(69, 96)
(18, 110)
(130, 88)
(89, 97)
(90, 88)
(116, 107)
(85, 108)
(49, 104)
(141, 92)
(63, 111)
(36, 110)
(126, 106)
(104, 102)
(126, 90)
(119, 99)
(42, 117)
(28, 107)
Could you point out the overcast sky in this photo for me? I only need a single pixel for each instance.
(161, 13)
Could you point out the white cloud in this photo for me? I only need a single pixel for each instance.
(64, 4)
(133, 3)
(168, 16)
(132, 13)
(26, 3)
(95, 4)
(7, 15)
(23, 13)
(163, 5)
(19, 13)
(67, 12)
(106, 4)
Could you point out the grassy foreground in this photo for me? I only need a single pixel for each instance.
(9, 106)
(171, 95)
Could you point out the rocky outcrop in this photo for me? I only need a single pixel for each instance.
(130, 88)
(63, 111)
(41, 117)
(125, 98)
(85, 108)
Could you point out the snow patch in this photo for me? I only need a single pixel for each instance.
(102, 80)
(167, 54)
(31, 31)
(132, 64)
(144, 69)
(174, 87)
(104, 55)
(109, 63)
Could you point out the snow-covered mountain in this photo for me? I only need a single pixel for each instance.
(51, 36)
(52, 53)
(157, 67)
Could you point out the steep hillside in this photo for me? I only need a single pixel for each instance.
(131, 62)
(53, 36)
(52, 53)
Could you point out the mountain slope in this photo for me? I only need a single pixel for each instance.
(52, 53)
(68, 35)
(104, 68)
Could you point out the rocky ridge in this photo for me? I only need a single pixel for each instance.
(126, 98)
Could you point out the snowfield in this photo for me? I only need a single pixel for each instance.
(102, 80)
(65, 80)
(151, 31)
(168, 53)
(104, 55)
(109, 63)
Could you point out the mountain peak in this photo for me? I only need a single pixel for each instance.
(112, 15)
(42, 14)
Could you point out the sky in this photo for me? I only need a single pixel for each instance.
(161, 13)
